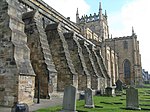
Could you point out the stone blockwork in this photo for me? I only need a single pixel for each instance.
(61, 56)
(99, 69)
(84, 79)
(103, 68)
(127, 49)
(41, 58)
(58, 57)
(15, 63)
(90, 64)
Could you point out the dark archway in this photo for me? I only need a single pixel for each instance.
(127, 71)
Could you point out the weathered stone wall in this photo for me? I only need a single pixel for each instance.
(14, 55)
(41, 58)
(26, 89)
(61, 56)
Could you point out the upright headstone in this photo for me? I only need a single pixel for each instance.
(82, 95)
(69, 99)
(110, 91)
(132, 101)
(89, 103)
(119, 85)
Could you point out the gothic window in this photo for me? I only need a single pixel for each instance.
(125, 45)
(127, 69)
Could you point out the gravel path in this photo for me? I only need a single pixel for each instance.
(44, 103)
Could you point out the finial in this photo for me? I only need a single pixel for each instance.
(133, 31)
(77, 12)
(100, 12)
(105, 13)
(100, 6)
(77, 17)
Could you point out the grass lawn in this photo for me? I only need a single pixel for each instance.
(110, 104)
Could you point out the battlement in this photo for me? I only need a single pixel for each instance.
(121, 38)
(91, 18)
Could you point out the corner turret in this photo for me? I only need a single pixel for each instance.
(133, 31)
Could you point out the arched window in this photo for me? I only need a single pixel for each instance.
(127, 71)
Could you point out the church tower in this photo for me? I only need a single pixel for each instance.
(97, 23)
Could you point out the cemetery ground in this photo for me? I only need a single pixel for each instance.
(110, 104)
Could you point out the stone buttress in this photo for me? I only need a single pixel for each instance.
(61, 57)
(103, 69)
(97, 67)
(103, 78)
(17, 77)
(90, 65)
(84, 79)
(41, 58)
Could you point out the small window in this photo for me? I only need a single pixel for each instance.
(125, 44)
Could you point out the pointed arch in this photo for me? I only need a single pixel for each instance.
(127, 71)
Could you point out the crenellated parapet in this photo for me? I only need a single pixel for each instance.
(91, 18)
(97, 23)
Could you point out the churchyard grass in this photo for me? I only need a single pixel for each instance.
(110, 104)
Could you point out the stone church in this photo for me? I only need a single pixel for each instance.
(40, 48)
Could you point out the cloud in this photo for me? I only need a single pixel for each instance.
(133, 13)
(136, 14)
(68, 7)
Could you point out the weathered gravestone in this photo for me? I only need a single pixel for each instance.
(132, 101)
(69, 99)
(89, 103)
(82, 95)
(119, 85)
(20, 107)
(110, 91)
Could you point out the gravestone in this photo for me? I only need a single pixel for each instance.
(119, 85)
(20, 107)
(69, 99)
(82, 95)
(132, 101)
(89, 103)
(110, 91)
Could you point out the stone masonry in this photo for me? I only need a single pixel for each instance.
(61, 56)
(38, 44)
(89, 62)
(41, 58)
(78, 61)
(16, 73)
